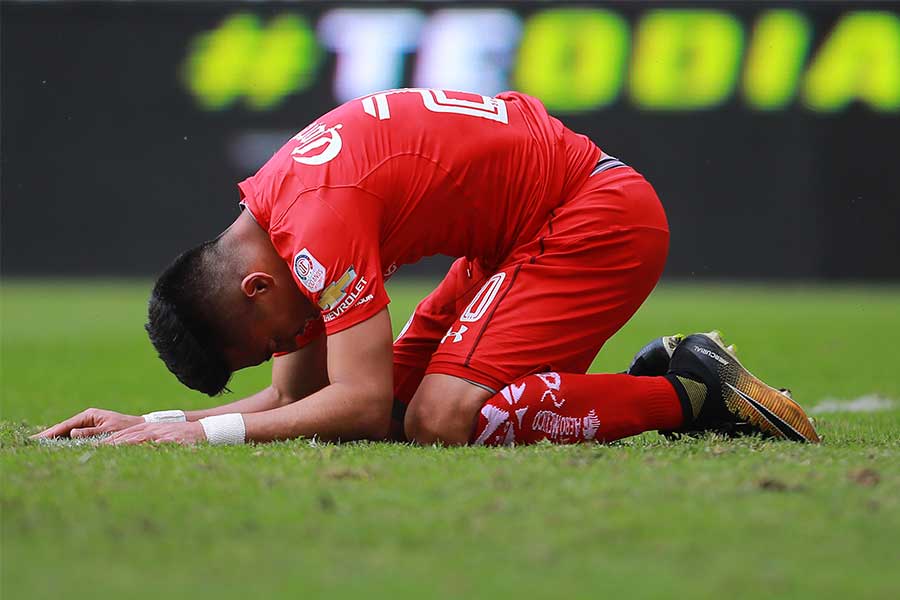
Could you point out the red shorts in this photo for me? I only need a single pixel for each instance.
(554, 301)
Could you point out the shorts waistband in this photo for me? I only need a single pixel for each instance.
(606, 163)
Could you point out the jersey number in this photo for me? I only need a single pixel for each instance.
(483, 299)
(437, 101)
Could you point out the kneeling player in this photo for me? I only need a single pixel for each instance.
(559, 244)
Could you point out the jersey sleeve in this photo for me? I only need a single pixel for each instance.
(330, 238)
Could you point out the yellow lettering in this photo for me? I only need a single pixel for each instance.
(859, 60)
(241, 58)
(685, 59)
(573, 59)
(775, 59)
(285, 61)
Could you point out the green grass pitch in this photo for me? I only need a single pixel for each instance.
(641, 518)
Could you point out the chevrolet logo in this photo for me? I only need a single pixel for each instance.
(336, 291)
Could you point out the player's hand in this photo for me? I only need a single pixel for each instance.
(92, 421)
(174, 433)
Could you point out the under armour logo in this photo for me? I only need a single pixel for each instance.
(457, 335)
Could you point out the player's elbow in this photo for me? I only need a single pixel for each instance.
(278, 397)
(376, 426)
(374, 416)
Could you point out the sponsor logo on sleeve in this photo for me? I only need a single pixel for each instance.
(309, 271)
(337, 290)
(343, 294)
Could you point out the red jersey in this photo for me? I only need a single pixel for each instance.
(389, 178)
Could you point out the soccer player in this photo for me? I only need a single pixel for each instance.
(558, 242)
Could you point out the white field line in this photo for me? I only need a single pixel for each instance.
(863, 404)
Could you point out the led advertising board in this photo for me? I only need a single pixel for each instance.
(575, 59)
(770, 129)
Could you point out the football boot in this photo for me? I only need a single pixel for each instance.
(723, 396)
(653, 359)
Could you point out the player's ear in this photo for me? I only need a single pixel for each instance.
(257, 283)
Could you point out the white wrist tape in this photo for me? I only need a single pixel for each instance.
(224, 429)
(165, 416)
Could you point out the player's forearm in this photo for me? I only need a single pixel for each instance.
(264, 400)
(336, 412)
(294, 376)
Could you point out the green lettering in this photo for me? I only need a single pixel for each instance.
(685, 59)
(859, 60)
(218, 61)
(286, 61)
(573, 59)
(241, 58)
(775, 59)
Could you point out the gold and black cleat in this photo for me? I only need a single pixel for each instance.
(721, 395)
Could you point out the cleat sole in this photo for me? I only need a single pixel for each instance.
(764, 407)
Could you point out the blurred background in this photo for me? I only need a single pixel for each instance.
(770, 129)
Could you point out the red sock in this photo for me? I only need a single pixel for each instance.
(566, 408)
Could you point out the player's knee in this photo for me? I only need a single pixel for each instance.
(443, 412)
(433, 427)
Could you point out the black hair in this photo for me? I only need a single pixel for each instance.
(182, 322)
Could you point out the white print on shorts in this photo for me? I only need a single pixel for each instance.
(456, 335)
(483, 299)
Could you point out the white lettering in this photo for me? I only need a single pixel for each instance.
(468, 49)
(348, 301)
(493, 109)
(556, 426)
(370, 45)
(711, 354)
